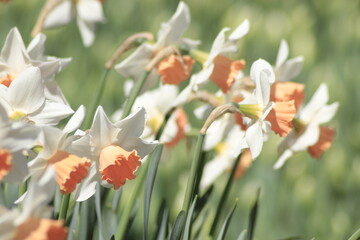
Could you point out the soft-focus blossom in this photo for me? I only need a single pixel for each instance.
(308, 134)
(86, 12)
(14, 137)
(34, 220)
(264, 114)
(286, 70)
(70, 169)
(25, 100)
(15, 58)
(173, 69)
(115, 150)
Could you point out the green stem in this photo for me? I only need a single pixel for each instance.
(134, 93)
(194, 169)
(224, 196)
(122, 227)
(22, 189)
(64, 207)
(355, 236)
(95, 103)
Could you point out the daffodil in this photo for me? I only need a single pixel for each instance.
(70, 169)
(33, 221)
(115, 151)
(24, 100)
(308, 134)
(14, 138)
(15, 58)
(86, 12)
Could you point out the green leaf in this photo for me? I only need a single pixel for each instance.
(116, 199)
(226, 223)
(102, 230)
(178, 226)
(224, 196)
(252, 217)
(355, 236)
(242, 235)
(190, 187)
(200, 204)
(74, 223)
(132, 218)
(162, 221)
(187, 230)
(293, 238)
(150, 179)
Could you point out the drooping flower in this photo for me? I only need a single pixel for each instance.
(86, 12)
(25, 100)
(115, 150)
(174, 68)
(257, 108)
(308, 134)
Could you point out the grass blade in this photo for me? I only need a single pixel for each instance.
(242, 235)
(178, 226)
(252, 218)
(150, 179)
(200, 204)
(162, 222)
(355, 236)
(224, 196)
(226, 223)
(187, 230)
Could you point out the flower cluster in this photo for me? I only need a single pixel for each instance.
(35, 149)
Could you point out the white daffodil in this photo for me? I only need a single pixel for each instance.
(25, 100)
(258, 105)
(308, 134)
(169, 35)
(116, 151)
(15, 58)
(56, 151)
(286, 70)
(14, 138)
(87, 13)
(33, 221)
(226, 150)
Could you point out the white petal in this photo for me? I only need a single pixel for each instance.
(203, 112)
(53, 92)
(76, 120)
(87, 187)
(51, 113)
(134, 65)
(36, 47)
(20, 137)
(14, 52)
(217, 46)
(142, 147)
(216, 132)
(171, 31)
(90, 11)
(318, 100)
(61, 15)
(308, 138)
(254, 138)
(102, 131)
(213, 170)
(283, 53)
(261, 66)
(26, 92)
(326, 113)
(87, 31)
(289, 70)
(282, 159)
(19, 170)
(132, 125)
(240, 31)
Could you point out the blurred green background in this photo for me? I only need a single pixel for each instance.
(307, 197)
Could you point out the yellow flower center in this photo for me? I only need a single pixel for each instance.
(221, 148)
(18, 116)
(155, 121)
